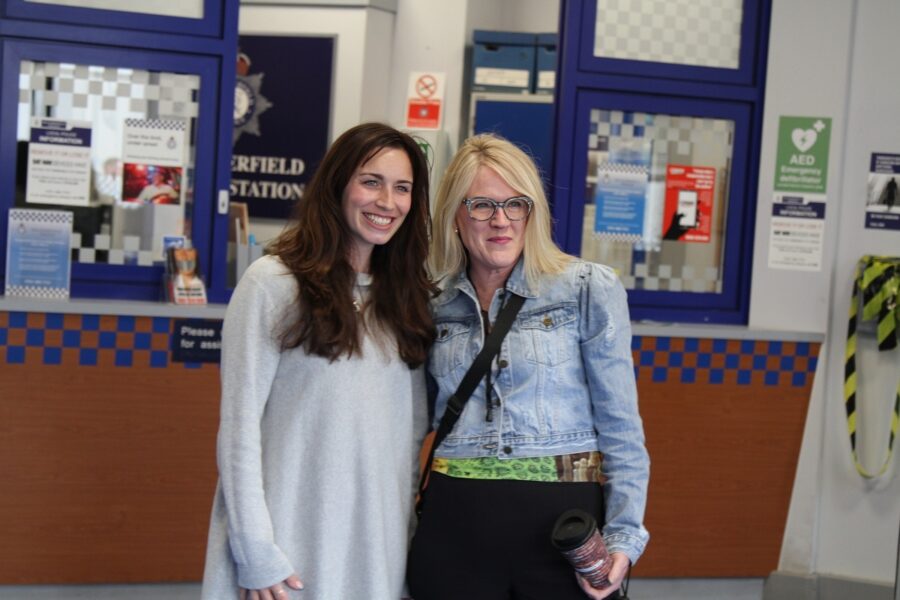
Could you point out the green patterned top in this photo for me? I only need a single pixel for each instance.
(582, 466)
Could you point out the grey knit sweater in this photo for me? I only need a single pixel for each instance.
(317, 459)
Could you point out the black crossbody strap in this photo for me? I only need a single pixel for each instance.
(476, 372)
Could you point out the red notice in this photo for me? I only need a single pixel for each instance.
(689, 203)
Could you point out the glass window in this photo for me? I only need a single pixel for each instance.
(657, 145)
(656, 198)
(187, 9)
(140, 131)
(703, 33)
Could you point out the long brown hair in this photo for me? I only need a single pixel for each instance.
(316, 246)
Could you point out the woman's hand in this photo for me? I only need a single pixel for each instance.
(620, 564)
(273, 592)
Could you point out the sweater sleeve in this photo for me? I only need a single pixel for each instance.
(250, 356)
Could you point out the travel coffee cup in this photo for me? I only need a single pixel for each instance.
(575, 534)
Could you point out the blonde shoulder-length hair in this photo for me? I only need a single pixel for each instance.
(448, 256)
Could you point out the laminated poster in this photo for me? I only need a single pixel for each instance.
(797, 232)
(59, 162)
(153, 157)
(883, 199)
(689, 203)
(38, 260)
(621, 192)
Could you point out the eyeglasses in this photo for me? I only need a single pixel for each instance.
(483, 209)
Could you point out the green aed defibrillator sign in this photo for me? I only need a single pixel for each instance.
(801, 164)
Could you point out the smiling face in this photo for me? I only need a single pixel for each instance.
(494, 246)
(375, 202)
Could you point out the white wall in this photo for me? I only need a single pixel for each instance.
(430, 36)
(532, 16)
(856, 513)
(378, 53)
(839, 524)
(809, 49)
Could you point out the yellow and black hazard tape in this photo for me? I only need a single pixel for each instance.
(877, 280)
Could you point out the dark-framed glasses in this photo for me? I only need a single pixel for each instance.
(483, 209)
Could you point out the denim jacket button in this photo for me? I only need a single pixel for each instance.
(502, 364)
(507, 449)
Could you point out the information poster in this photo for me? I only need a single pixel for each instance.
(282, 113)
(797, 232)
(59, 162)
(153, 157)
(38, 260)
(621, 192)
(689, 203)
(425, 100)
(883, 199)
(801, 163)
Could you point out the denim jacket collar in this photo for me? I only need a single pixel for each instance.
(516, 283)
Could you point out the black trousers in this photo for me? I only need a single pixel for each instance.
(490, 540)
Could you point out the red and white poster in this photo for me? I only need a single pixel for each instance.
(689, 203)
(425, 100)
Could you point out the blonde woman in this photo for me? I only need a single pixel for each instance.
(554, 425)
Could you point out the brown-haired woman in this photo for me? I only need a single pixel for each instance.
(323, 402)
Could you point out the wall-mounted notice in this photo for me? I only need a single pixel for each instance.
(153, 157)
(801, 163)
(38, 261)
(621, 192)
(689, 203)
(425, 100)
(883, 199)
(797, 232)
(196, 340)
(59, 162)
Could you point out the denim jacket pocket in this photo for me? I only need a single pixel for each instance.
(448, 352)
(553, 332)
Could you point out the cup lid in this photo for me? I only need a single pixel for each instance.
(572, 529)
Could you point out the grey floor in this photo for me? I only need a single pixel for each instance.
(641, 589)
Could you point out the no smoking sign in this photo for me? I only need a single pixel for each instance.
(426, 86)
(424, 100)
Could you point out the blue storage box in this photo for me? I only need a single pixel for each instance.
(503, 61)
(545, 64)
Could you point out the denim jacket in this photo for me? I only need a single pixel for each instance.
(563, 383)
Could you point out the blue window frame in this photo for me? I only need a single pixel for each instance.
(747, 73)
(46, 33)
(210, 25)
(672, 306)
(587, 83)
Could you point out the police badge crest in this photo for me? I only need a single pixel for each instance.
(249, 102)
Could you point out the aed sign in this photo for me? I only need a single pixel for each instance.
(196, 340)
(801, 163)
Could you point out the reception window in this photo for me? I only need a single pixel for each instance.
(119, 119)
(657, 145)
(139, 163)
(656, 198)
